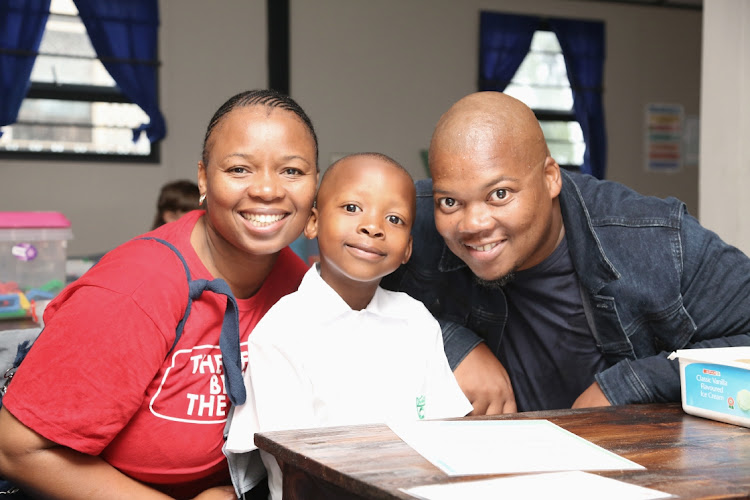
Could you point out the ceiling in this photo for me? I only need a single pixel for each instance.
(675, 4)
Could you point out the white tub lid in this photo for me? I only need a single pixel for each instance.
(731, 356)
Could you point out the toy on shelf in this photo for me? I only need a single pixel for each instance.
(15, 304)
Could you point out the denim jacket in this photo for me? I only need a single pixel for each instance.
(652, 281)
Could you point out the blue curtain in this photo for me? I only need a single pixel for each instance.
(504, 41)
(21, 27)
(582, 44)
(124, 34)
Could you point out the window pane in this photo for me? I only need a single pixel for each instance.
(66, 35)
(63, 7)
(47, 125)
(65, 70)
(567, 154)
(545, 41)
(552, 99)
(562, 131)
(543, 69)
(542, 80)
(565, 141)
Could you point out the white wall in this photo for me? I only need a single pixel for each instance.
(374, 76)
(378, 75)
(725, 114)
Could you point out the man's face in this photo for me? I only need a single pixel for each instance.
(496, 212)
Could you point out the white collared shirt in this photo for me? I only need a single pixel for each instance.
(315, 362)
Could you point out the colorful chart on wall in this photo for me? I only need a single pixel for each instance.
(664, 137)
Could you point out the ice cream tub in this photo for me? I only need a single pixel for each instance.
(715, 383)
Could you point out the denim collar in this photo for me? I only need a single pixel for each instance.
(592, 266)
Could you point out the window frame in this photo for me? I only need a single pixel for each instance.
(558, 116)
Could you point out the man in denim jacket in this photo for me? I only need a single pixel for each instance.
(555, 289)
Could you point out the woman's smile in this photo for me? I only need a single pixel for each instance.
(262, 220)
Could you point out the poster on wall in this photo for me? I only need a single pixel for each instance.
(664, 124)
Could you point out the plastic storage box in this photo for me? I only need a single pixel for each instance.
(33, 248)
(715, 383)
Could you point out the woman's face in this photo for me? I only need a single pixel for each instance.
(260, 179)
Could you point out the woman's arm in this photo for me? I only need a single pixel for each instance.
(48, 470)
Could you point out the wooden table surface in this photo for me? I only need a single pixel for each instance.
(687, 456)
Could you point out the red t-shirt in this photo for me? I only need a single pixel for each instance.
(100, 378)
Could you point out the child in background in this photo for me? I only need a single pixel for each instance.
(176, 198)
(341, 350)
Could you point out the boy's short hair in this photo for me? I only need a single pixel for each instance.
(376, 156)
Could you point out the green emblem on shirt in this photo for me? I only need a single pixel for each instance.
(420, 406)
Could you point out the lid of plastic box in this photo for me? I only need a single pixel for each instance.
(33, 220)
(738, 356)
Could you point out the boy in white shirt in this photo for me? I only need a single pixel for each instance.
(341, 350)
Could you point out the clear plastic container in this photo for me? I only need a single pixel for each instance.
(33, 251)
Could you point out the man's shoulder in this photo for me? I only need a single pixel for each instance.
(427, 242)
(611, 201)
(425, 213)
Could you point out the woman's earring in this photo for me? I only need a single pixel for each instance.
(201, 200)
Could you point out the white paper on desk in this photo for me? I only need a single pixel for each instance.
(574, 484)
(467, 447)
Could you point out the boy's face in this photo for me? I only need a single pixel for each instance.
(365, 211)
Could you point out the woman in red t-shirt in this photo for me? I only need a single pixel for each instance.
(106, 404)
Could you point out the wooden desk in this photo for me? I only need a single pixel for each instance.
(684, 455)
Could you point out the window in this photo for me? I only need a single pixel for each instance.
(556, 66)
(74, 108)
(541, 82)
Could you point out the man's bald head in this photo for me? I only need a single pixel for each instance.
(485, 118)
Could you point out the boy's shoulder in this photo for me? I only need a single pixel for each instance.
(283, 320)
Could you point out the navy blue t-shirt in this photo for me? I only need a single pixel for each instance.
(547, 348)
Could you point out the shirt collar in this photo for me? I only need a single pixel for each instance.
(585, 249)
(313, 285)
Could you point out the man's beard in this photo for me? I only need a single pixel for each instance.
(495, 284)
